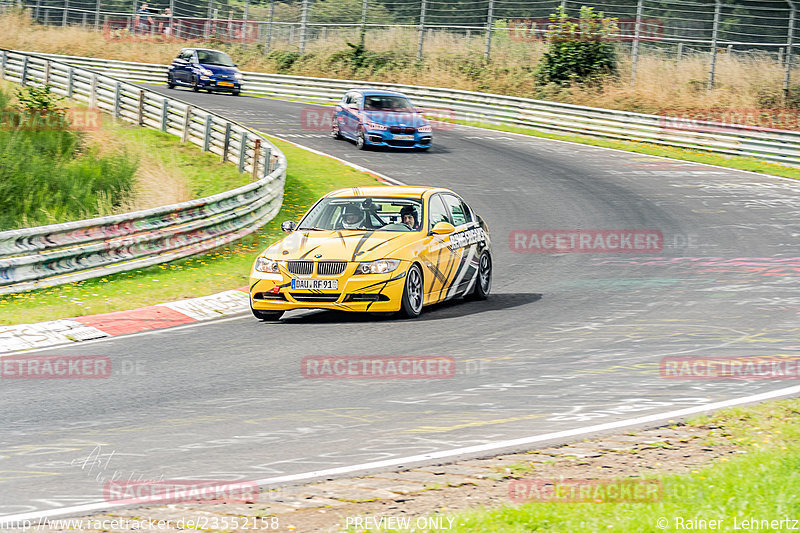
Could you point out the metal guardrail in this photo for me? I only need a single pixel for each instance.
(44, 256)
(778, 146)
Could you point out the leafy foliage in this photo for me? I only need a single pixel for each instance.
(580, 50)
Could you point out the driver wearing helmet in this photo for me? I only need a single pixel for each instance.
(352, 217)
(410, 217)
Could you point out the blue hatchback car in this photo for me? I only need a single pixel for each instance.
(374, 117)
(201, 68)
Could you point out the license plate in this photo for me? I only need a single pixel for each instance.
(225, 84)
(404, 137)
(316, 284)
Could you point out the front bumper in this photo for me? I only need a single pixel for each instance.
(379, 293)
(386, 138)
(218, 84)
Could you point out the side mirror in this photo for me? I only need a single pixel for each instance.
(442, 228)
(288, 226)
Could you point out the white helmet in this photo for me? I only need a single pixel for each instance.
(352, 217)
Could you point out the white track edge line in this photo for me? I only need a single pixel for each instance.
(444, 454)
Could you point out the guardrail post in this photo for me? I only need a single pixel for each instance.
(256, 158)
(421, 30)
(243, 152)
(93, 93)
(207, 133)
(70, 82)
(714, 35)
(186, 121)
(267, 157)
(3, 62)
(24, 79)
(680, 51)
(226, 143)
(47, 72)
(165, 116)
(118, 100)
(140, 108)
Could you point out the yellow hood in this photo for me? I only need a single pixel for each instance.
(344, 245)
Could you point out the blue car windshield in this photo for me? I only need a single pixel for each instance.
(383, 102)
(213, 57)
(359, 213)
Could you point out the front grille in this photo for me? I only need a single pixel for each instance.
(366, 298)
(308, 297)
(300, 268)
(269, 296)
(331, 268)
(400, 129)
(392, 142)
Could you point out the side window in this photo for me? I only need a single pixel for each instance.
(188, 55)
(458, 210)
(437, 211)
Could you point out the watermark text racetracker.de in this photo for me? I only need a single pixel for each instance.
(66, 367)
(378, 367)
(586, 490)
(73, 118)
(586, 241)
(713, 120)
(180, 491)
(707, 368)
(319, 118)
(202, 523)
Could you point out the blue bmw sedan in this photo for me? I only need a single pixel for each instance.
(201, 68)
(375, 117)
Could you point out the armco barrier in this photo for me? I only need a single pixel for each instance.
(60, 253)
(778, 146)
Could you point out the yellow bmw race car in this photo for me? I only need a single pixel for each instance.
(375, 249)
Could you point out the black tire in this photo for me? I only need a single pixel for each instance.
(483, 283)
(335, 134)
(237, 93)
(170, 84)
(270, 316)
(195, 87)
(361, 142)
(413, 293)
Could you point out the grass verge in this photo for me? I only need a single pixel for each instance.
(759, 485)
(309, 177)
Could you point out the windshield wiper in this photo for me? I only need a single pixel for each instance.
(313, 229)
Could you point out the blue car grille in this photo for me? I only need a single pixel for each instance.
(400, 129)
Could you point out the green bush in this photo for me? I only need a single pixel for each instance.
(284, 59)
(49, 176)
(579, 51)
(366, 62)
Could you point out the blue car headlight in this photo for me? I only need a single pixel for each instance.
(425, 129)
(375, 126)
(238, 76)
(206, 72)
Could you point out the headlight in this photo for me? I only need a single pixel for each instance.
(374, 126)
(206, 72)
(425, 129)
(381, 266)
(267, 265)
(238, 75)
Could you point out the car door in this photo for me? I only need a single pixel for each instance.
(439, 264)
(351, 113)
(183, 66)
(464, 242)
(341, 114)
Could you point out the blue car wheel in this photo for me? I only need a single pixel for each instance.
(361, 142)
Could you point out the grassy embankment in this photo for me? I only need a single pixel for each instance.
(760, 484)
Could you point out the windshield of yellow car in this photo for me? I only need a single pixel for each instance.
(360, 213)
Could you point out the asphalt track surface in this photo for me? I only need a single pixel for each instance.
(566, 340)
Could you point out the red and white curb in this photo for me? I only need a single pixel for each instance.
(82, 328)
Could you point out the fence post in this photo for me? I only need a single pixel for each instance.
(186, 121)
(489, 24)
(267, 156)
(269, 28)
(47, 67)
(24, 79)
(226, 144)
(165, 116)
(303, 26)
(680, 51)
(210, 14)
(636, 37)
(140, 108)
(118, 100)
(714, 35)
(70, 82)
(46, 16)
(421, 29)
(256, 159)
(64, 15)
(363, 36)
(83, 20)
(97, 16)
(3, 62)
(207, 133)
(243, 152)
(789, 44)
(36, 10)
(93, 93)
(244, 22)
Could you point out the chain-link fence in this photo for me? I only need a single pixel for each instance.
(669, 28)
